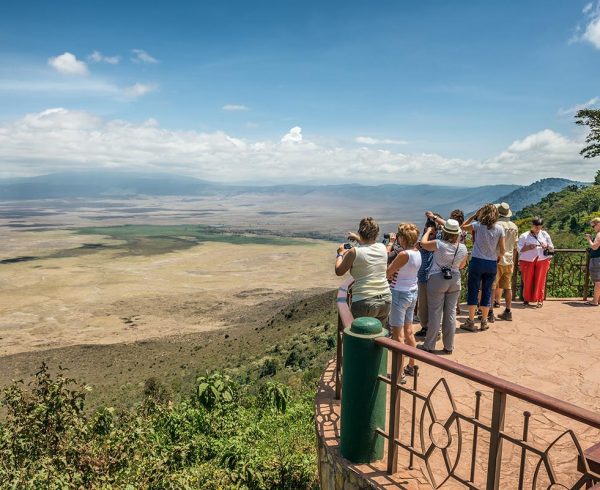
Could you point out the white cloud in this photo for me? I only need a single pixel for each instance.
(141, 56)
(139, 89)
(367, 140)
(235, 107)
(572, 110)
(61, 139)
(293, 136)
(589, 29)
(68, 64)
(98, 57)
(59, 118)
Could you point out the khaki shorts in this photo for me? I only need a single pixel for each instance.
(504, 277)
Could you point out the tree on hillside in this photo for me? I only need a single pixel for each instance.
(591, 119)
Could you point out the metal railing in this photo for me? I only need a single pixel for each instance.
(431, 436)
(568, 277)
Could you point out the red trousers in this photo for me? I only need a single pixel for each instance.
(534, 279)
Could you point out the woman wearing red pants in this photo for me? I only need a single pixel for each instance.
(535, 251)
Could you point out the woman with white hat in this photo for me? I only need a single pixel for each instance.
(443, 284)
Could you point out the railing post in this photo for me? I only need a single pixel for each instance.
(586, 277)
(495, 454)
(515, 273)
(363, 403)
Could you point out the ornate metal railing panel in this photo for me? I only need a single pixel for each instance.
(568, 276)
(439, 439)
(450, 445)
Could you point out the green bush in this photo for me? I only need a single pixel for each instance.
(223, 436)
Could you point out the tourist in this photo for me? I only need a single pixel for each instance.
(402, 274)
(367, 263)
(595, 260)
(443, 284)
(488, 246)
(506, 266)
(426, 260)
(459, 216)
(535, 250)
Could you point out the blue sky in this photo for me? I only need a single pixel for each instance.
(386, 91)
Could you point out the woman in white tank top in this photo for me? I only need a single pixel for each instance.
(402, 274)
(367, 262)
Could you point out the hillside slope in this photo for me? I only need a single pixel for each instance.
(530, 194)
(567, 214)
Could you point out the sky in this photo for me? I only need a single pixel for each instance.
(461, 93)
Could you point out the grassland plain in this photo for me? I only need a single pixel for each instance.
(122, 304)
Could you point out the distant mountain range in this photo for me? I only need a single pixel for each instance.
(123, 184)
(391, 201)
(530, 194)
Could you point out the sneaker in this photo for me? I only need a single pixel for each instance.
(421, 333)
(469, 325)
(409, 370)
(484, 325)
(490, 317)
(506, 315)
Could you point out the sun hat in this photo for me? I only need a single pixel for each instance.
(504, 210)
(452, 227)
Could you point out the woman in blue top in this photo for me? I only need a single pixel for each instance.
(488, 246)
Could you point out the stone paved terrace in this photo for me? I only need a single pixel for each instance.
(554, 350)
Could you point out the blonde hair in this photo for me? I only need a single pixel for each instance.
(488, 215)
(409, 233)
(368, 229)
(595, 221)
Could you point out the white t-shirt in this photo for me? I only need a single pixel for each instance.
(485, 244)
(528, 238)
(405, 279)
(447, 255)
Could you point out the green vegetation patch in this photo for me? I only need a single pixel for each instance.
(249, 425)
(158, 239)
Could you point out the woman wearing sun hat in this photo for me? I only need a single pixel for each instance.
(443, 284)
(595, 260)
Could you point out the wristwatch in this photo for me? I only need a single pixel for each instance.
(339, 255)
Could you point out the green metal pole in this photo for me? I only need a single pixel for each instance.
(363, 395)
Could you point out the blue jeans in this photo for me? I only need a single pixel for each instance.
(403, 307)
(481, 274)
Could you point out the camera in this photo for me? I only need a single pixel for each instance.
(548, 252)
(430, 223)
(347, 246)
(447, 273)
(386, 236)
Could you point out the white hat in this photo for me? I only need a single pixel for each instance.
(451, 226)
(504, 210)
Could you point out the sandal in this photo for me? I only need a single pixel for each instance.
(540, 304)
(589, 303)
